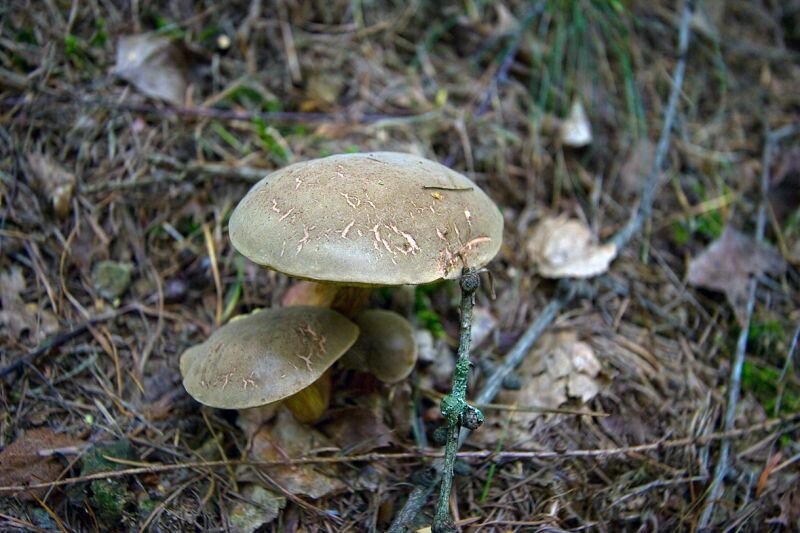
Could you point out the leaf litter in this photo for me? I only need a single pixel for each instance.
(729, 263)
(561, 368)
(284, 439)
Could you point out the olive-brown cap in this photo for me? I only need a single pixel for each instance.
(381, 218)
(265, 356)
(385, 348)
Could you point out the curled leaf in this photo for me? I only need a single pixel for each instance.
(154, 65)
(258, 508)
(565, 248)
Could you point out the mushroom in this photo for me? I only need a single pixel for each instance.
(366, 220)
(386, 347)
(268, 356)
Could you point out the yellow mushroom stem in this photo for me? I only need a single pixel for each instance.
(310, 404)
(346, 299)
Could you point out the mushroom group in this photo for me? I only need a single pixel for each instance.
(350, 223)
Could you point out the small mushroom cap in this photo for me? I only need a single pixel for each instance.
(265, 356)
(385, 348)
(381, 218)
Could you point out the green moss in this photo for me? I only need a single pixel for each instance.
(108, 497)
(762, 381)
(72, 46)
(423, 310)
(100, 37)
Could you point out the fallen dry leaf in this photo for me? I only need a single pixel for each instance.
(575, 130)
(259, 507)
(565, 248)
(728, 264)
(154, 65)
(286, 438)
(30, 459)
(250, 420)
(53, 181)
(358, 429)
(17, 316)
(559, 368)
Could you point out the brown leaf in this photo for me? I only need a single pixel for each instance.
(154, 65)
(30, 459)
(358, 429)
(565, 248)
(257, 508)
(250, 420)
(729, 263)
(53, 181)
(286, 439)
(559, 367)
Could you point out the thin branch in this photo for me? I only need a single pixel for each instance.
(789, 424)
(454, 406)
(735, 379)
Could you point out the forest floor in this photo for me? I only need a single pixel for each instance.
(122, 159)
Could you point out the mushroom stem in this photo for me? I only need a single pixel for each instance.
(346, 299)
(309, 404)
(350, 300)
(455, 408)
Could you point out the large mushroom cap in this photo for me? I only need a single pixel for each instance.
(386, 346)
(265, 356)
(379, 218)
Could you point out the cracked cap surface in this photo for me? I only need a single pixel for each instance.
(380, 218)
(265, 356)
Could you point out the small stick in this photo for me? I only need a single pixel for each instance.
(785, 425)
(454, 407)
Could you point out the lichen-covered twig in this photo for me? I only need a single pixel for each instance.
(454, 406)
